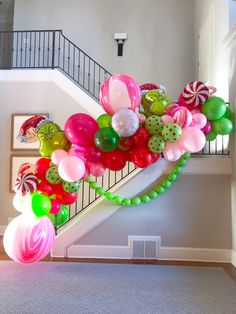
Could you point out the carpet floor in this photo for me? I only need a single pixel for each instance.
(55, 287)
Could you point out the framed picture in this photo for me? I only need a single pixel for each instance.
(28, 138)
(17, 162)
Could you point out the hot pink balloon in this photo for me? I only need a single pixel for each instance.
(173, 151)
(207, 128)
(199, 120)
(80, 129)
(118, 92)
(170, 110)
(183, 117)
(28, 239)
(55, 206)
(166, 118)
(71, 168)
(58, 155)
(96, 168)
(192, 140)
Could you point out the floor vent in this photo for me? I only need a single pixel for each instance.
(144, 247)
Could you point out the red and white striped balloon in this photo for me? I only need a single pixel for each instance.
(195, 93)
(26, 183)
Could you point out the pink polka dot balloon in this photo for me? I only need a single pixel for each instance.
(28, 239)
(118, 92)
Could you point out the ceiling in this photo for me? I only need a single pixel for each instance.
(6, 7)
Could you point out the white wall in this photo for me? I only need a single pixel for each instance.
(232, 13)
(26, 97)
(160, 34)
(195, 212)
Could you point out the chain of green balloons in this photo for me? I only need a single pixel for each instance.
(145, 198)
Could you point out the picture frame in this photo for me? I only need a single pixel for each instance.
(15, 162)
(17, 119)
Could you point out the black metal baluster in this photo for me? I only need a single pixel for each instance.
(68, 57)
(84, 72)
(35, 37)
(43, 47)
(79, 66)
(39, 50)
(73, 71)
(88, 74)
(30, 49)
(63, 54)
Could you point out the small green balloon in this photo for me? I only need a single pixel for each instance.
(156, 144)
(182, 162)
(52, 175)
(109, 196)
(104, 120)
(153, 195)
(118, 200)
(154, 125)
(211, 136)
(106, 139)
(71, 187)
(160, 190)
(61, 217)
(100, 191)
(214, 108)
(172, 177)
(223, 126)
(177, 169)
(172, 132)
(145, 198)
(166, 184)
(41, 205)
(93, 185)
(228, 114)
(126, 202)
(136, 201)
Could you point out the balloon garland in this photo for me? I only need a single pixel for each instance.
(140, 125)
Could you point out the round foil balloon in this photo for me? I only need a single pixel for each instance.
(118, 92)
(28, 239)
(125, 122)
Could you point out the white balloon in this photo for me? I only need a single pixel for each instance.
(125, 122)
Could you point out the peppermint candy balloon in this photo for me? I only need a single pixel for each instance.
(118, 92)
(26, 183)
(28, 239)
(195, 93)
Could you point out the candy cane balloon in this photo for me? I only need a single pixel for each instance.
(118, 92)
(26, 183)
(195, 93)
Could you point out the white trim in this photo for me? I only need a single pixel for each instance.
(233, 259)
(165, 253)
(2, 229)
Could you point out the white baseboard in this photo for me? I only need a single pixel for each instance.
(165, 253)
(2, 229)
(233, 260)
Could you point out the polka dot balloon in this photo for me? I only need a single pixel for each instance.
(156, 144)
(52, 176)
(154, 125)
(172, 132)
(71, 187)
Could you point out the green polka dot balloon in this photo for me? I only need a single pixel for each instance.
(52, 176)
(156, 144)
(71, 187)
(172, 132)
(154, 125)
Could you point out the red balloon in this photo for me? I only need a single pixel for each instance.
(45, 188)
(41, 168)
(115, 160)
(55, 207)
(43, 162)
(66, 198)
(142, 157)
(92, 154)
(155, 157)
(141, 137)
(125, 143)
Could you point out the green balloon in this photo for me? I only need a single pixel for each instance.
(104, 120)
(214, 108)
(167, 184)
(136, 201)
(156, 144)
(41, 205)
(61, 217)
(223, 126)
(109, 196)
(118, 200)
(154, 125)
(52, 175)
(106, 139)
(71, 187)
(211, 136)
(153, 195)
(228, 114)
(126, 202)
(145, 199)
(171, 132)
(160, 190)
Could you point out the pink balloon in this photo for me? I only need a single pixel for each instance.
(166, 118)
(92, 154)
(58, 155)
(118, 92)
(171, 108)
(71, 168)
(28, 239)
(207, 128)
(55, 207)
(96, 168)
(173, 151)
(183, 117)
(80, 129)
(192, 140)
(199, 120)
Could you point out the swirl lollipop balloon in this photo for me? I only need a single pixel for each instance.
(28, 239)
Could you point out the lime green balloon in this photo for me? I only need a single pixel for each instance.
(154, 125)
(118, 200)
(177, 169)
(155, 103)
(156, 144)
(223, 126)
(145, 199)
(100, 191)
(153, 195)
(172, 132)
(167, 184)
(71, 187)
(61, 217)
(106, 139)
(104, 120)
(160, 190)
(211, 136)
(228, 114)
(109, 196)
(214, 108)
(41, 204)
(52, 175)
(126, 202)
(172, 177)
(136, 201)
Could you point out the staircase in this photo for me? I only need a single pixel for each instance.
(50, 49)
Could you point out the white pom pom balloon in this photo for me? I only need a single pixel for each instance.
(125, 122)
